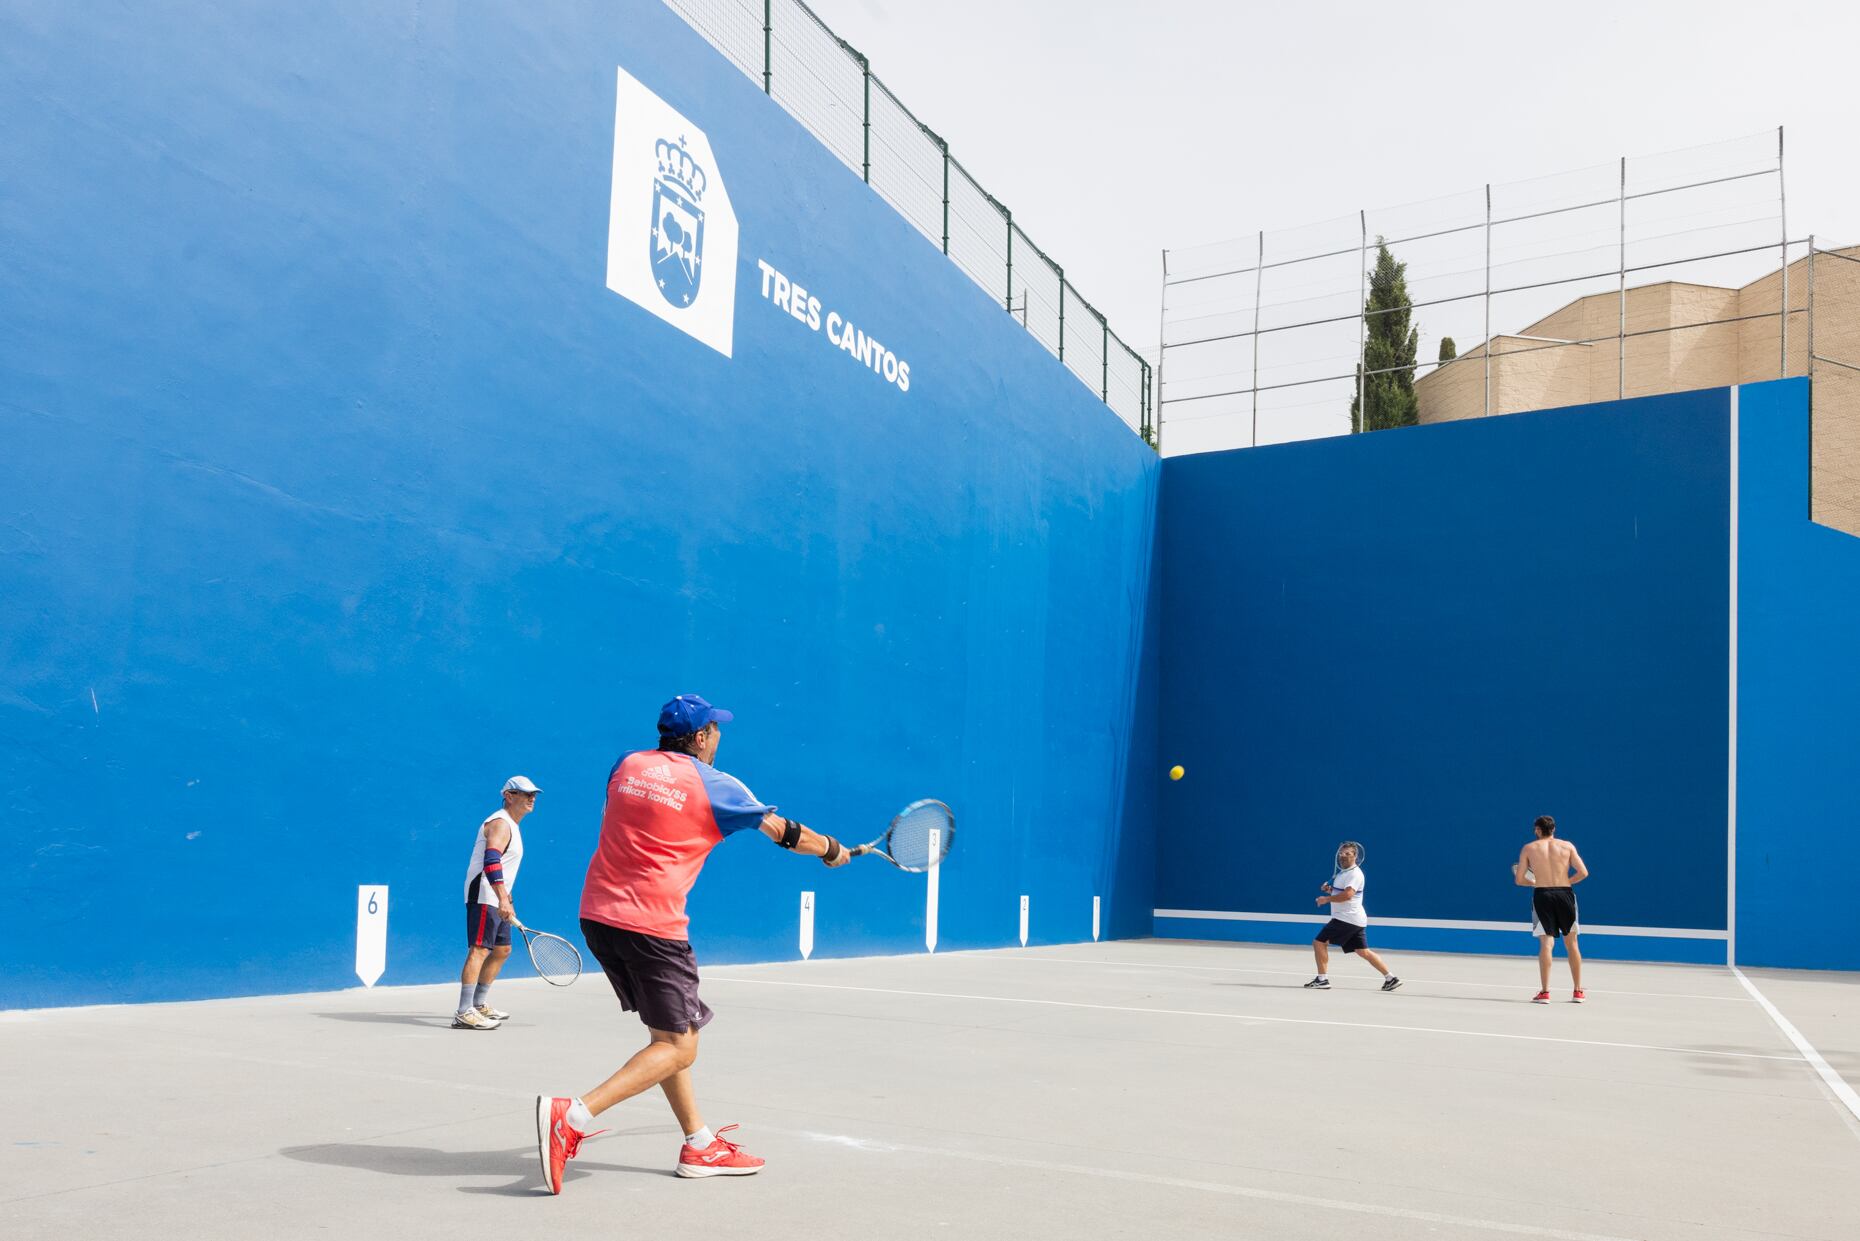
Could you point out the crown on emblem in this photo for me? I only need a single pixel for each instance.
(676, 162)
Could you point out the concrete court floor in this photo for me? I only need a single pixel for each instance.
(1141, 1088)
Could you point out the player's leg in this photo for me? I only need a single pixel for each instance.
(681, 1092)
(670, 1052)
(479, 937)
(1321, 951)
(487, 974)
(1574, 952)
(1546, 948)
(1389, 981)
(562, 1123)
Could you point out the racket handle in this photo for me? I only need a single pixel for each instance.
(861, 850)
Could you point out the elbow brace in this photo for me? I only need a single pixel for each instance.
(493, 866)
(791, 835)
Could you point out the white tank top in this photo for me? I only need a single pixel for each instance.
(513, 858)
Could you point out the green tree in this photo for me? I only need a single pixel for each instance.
(1448, 350)
(1385, 375)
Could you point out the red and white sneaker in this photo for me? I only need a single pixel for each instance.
(1542, 997)
(1579, 997)
(556, 1139)
(720, 1158)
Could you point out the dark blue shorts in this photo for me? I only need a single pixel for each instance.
(484, 927)
(1345, 935)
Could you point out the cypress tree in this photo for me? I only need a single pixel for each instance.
(1389, 348)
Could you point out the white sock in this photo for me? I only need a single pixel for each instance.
(465, 993)
(580, 1119)
(701, 1139)
(1323, 977)
(481, 994)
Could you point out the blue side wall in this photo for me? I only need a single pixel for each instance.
(1798, 696)
(342, 488)
(1422, 641)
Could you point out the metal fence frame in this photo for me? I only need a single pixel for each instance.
(1362, 314)
(1080, 336)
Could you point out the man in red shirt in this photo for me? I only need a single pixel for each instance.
(667, 808)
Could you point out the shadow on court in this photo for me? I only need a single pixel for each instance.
(519, 1165)
(395, 1019)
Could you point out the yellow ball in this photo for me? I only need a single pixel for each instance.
(1176, 773)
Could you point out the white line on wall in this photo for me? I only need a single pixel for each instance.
(1441, 924)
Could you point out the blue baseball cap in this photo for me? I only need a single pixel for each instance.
(688, 713)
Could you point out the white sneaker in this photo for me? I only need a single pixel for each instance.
(472, 1019)
(495, 1014)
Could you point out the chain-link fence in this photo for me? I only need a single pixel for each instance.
(1646, 274)
(1833, 346)
(829, 86)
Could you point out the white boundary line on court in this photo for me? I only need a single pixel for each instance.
(1440, 924)
(1293, 1021)
(1730, 777)
(1017, 959)
(1843, 1093)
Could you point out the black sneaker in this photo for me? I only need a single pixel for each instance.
(1390, 983)
(1319, 984)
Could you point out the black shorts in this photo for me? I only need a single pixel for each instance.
(656, 978)
(1345, 935)
(485, 927)
(1553, 912)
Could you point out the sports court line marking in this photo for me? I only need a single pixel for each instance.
(1212, 1187)
(1843, 1093)
(1434, 982)
(1293, 1021)
(1441, 924)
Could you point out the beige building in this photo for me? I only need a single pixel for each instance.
(1678, 337)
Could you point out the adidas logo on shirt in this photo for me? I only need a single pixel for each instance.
(662, 771)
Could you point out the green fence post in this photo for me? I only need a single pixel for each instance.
(768, 28)
(943, 147)
(865, 67)
(1062, 311)
(1010, 259)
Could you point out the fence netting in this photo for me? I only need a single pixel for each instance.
(830, 88)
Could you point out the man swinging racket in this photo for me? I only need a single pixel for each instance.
(1349, 922)
(667, 808)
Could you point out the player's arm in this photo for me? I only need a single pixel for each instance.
(1577, 871)
(496, 840)
(797, 837)
(1338, 897)
(1519, 867)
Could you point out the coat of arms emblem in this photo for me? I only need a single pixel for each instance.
(678, 223)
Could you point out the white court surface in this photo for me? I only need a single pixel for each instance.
(1144, 1088)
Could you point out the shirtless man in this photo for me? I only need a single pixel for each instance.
(1552, 868)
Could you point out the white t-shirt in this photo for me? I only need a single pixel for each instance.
(1350, 911)
(513, 860)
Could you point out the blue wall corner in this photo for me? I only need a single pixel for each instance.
(1798, 695)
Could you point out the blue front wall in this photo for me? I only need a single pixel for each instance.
(1423, 640)
(343, 488)
(1798, 697)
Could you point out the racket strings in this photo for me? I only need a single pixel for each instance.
(908, 841)
(554, 957)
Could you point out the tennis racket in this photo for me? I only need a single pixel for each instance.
(556, 960)
(907, 845)
(1338, 866)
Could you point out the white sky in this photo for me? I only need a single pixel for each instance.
(1115, 130)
